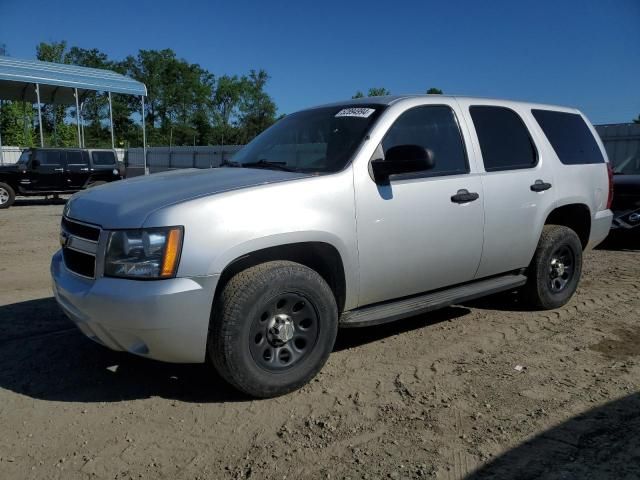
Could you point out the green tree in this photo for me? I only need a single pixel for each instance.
(378, 92)
(373, 92)
(257, 109)
(434, 91)
(226, 108)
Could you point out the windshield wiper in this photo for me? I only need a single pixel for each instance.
(268, 164)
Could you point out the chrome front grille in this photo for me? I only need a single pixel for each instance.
(79, 247)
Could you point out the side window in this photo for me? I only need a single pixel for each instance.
(48, 157)
(103, 158)
(569, 136)
(433, 127)
(504, 139)
(76, 158)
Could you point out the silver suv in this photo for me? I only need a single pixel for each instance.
(345, 215)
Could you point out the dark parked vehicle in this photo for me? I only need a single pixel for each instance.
(52, 171)
(626, 197)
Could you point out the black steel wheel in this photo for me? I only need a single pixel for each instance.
(284, 332)
(272, 328)
(554, 272)
(561, 268)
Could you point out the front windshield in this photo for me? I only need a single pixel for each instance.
(629, 165)
(321, 140)
(24, 157)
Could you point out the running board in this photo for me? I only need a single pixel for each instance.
(408, 307)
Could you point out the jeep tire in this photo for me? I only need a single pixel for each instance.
(7, 195)
(272, 328)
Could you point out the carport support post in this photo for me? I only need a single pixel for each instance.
(77, 116)
(113, 143)
(144, 138)
(39, 115)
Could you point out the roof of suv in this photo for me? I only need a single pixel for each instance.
(391, 99)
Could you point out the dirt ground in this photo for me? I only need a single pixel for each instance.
(483, 390)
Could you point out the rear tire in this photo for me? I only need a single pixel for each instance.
(554, 272)
(7, 196)
(272, 328)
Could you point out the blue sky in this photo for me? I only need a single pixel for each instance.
(583, 53)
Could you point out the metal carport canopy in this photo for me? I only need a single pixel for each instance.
(39, 82)
(18, 80)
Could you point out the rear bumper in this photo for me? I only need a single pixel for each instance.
(600, 227)
(165, 320)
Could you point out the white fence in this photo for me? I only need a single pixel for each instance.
(160, 159)
(9, 155)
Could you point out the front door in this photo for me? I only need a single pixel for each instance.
(47, 170)
(415, 234)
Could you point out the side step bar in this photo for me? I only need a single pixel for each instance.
(408, 307)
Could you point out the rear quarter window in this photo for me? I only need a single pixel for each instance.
(103, 158)
(504, 139)
(569, 136)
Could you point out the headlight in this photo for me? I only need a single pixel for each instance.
(147, 253)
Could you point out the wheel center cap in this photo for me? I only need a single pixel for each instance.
(280, 329)
(558, 268)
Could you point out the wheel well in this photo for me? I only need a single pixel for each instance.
(575, 216)
(319, 256)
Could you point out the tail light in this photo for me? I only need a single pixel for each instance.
(610, 174)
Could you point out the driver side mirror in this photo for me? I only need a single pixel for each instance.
(402, 159)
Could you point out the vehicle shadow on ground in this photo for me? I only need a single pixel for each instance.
(622, 241)
(602, 443)
(44, 356)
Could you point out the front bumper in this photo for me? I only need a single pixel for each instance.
(165, 320)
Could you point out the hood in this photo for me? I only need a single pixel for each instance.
(127, 203)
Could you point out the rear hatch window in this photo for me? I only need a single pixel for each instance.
(569, 136)
(103, 158)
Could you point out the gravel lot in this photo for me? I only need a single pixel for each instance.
(436, 396)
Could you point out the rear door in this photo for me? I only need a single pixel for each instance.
(77, 169)
(518, 184)
(103, 166)
(47, 170)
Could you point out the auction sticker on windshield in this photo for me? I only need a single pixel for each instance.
(355, 112)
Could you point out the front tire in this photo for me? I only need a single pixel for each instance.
(555, 270)
(273, 328)
(7, 196)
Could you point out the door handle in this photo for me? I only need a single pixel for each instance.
(58, 169)
(540, 186)
(464, 196)
(84, 169)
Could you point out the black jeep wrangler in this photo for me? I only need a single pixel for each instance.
(52, 171)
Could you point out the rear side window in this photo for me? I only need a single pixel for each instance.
(75, 158)
(569, 136)
(433, 127)
(504, 139)
(103, 158)
(48, 157)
